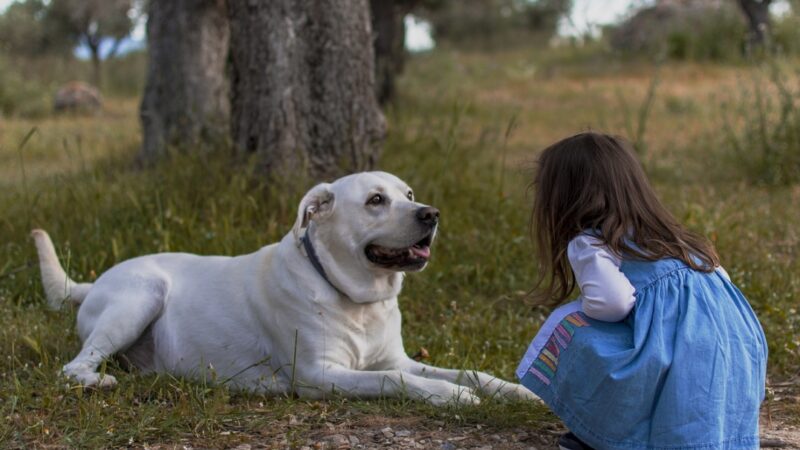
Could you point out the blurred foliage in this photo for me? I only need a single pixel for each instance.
(38, 28)
(698, 31)
(487, 23)
(762, 128)
(694, 32)
(89, 22)
(27, 29)
(20, 96)
(28, 84)
(786, 33)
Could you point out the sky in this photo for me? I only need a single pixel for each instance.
(587, 15)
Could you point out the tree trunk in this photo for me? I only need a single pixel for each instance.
(185, 105)
(93, 43)
(757, 14)
(303, 96)
(112, 53)
(389, 30)
(96, 74)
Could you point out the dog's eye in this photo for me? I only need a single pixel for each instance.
(376, 199)
(410, 196)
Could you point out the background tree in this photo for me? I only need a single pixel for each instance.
(757, 14)
(26, 29)
(389, 36)
(543, 16)
(303, 86)
(90, 22)
(185, 103)
(694, 29)
(493, 23)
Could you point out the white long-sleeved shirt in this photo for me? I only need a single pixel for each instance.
(606, 294)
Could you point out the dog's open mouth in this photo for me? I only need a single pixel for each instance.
(414, 256)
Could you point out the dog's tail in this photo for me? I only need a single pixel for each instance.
(58, 287)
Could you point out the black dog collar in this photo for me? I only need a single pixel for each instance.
(314, 259)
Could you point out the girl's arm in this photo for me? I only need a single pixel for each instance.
(606, 293)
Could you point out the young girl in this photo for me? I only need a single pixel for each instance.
(661, 351)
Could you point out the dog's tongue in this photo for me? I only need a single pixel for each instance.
(422, 252)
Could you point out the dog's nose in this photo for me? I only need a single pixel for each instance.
(428, 215)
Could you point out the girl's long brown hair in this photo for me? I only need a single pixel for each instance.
(592, 181)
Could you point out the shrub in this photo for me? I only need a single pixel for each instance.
(20, 96)
(763, 129)
(683, 32)
(786, 34)
(125, 74)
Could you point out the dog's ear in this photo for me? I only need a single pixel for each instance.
(315, 205)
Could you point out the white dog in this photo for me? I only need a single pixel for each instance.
(313, 314)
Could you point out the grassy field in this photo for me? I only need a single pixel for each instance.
(464, 133)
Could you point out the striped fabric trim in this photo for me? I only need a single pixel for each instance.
(545, 365)
(543, 335)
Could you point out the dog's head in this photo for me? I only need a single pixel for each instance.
(367, 228)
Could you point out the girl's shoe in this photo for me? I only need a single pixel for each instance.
(571, 442)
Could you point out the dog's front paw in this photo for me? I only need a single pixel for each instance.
(522, 393)
(511, 391)
(88, 378)
(453, 394)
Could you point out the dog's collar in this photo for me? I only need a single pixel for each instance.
(314, 259)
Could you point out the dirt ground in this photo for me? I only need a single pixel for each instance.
(401, 434)
(386, 433)
(406, 435)
(780, 428)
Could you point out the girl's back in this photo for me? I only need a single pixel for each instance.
(661, 351)
(685, 368)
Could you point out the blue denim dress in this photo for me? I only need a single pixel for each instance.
(685, 369)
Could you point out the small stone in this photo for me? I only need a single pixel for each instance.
(387, 432)
(337, 439)
(305, 447)
(448, 446)
(457, 438)
(242, 447)
(495, 437)
(353, 440)
(402, 433)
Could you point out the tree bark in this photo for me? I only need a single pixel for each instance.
(303, 83)
(96, 73)
(185, 104)
(92, 42)
(389, 31)
(757, 14)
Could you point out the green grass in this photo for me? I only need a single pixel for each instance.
(463, 134)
